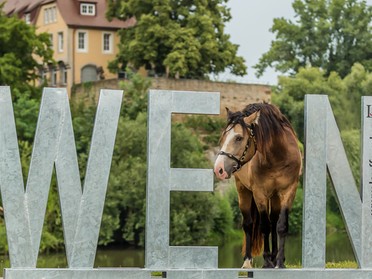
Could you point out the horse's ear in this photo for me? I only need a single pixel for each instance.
(252, 119)
(229, 112)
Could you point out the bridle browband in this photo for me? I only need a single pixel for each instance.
(240, 161)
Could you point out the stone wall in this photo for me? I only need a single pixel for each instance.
(235, 96)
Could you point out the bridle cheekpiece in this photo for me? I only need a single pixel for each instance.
(240, 161)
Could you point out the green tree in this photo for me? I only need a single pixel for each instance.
(328, 34)
(176, 38)
(344, 95)
(22, 51)
(124, 214)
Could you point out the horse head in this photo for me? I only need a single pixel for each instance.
(238, 143)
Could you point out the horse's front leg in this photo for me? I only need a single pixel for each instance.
(282, 229)
(247, 244)
(266, 230)
(245, 202)
(274, 217)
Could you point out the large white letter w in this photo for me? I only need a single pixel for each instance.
(54, 144)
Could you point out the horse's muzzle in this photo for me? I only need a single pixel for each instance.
(220, 171)
(222, 174)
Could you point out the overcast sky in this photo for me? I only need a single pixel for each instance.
(249, 28)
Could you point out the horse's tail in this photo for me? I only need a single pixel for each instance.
(257, 238)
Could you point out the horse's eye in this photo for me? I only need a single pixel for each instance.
(239, 138)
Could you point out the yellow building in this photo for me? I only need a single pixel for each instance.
(83, 40)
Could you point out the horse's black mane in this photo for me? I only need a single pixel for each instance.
(238, 117)
(272, 123)
(252, 108)
(267, 111)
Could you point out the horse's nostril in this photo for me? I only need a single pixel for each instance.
(221, 171)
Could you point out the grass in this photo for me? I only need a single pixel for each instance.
(343, 264)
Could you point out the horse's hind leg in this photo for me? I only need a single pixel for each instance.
(286, 200)
(265, 227)
(266, 230)
(282, 229)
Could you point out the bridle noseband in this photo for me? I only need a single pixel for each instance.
(240, 161)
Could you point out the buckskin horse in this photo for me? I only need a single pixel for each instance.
(259, 147)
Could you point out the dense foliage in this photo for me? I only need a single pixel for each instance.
(22, 51)
(327, 34)
(176, 38)
(196, 218)
(127, 187)
(344, 95)
(124, 213)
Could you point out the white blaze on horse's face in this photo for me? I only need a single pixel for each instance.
(234, 141)
(235, 144)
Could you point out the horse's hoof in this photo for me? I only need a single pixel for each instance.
(280, 266)
(268, 264)
(247, 263)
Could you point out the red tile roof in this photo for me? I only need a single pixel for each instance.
(20, 6)
(70, 11)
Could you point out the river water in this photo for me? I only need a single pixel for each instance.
(338, 249)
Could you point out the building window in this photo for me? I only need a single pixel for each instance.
(87, 9)
(107, 42)
(64, 80)
(43, 76)
(82, 38)
(50, 15)
(60, 41)
(28, 18)
(46, 16)
(63, 74)
(53, 77)
(51, 40)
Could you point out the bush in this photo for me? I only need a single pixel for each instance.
(208, 128)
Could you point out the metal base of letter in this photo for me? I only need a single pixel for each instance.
(134, 273)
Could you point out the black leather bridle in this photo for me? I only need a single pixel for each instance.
(240, 161)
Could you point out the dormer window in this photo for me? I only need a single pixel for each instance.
(88, 9)
(50, 15)
(28, 18)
